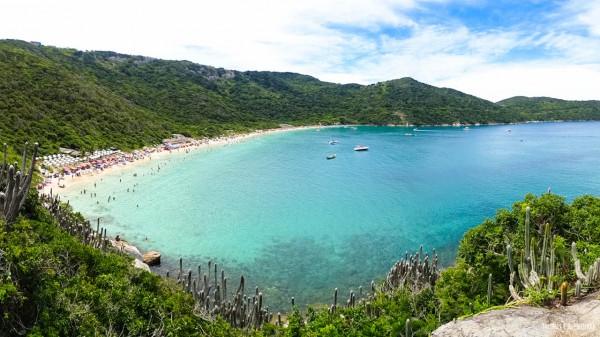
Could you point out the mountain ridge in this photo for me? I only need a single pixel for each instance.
(93, 99)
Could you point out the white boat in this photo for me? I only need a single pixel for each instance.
(361, 148)
(333, 142)
(331, 156)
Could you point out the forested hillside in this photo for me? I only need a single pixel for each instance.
(95, 99)
(552, 109)
(83, 100)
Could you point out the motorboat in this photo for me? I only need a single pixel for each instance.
(361, 148)
(331, 156)
(333, 142)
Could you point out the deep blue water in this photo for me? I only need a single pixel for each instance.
(296, 224)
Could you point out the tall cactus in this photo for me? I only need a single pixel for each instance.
(527, 224)
(489, 291)
(593, 273)
(14, 185)
(533, 269)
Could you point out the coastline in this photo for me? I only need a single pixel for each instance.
(62, 185)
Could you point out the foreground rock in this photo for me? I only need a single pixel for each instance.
(152, 258)
(580, 319)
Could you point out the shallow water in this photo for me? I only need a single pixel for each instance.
(275, 210)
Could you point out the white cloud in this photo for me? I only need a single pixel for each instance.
(337, 40)
(585, 13)
(576, 82)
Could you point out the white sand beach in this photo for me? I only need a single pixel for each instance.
(62, 184)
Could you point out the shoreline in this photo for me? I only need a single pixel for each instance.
(62, 185)
(93, 176)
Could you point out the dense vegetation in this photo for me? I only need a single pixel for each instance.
(91, 100)
(52, 285)
(552, 109)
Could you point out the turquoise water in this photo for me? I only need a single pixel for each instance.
(295, 224)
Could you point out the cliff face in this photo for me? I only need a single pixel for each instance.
(578, 319)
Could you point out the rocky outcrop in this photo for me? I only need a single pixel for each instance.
(141, 265)
(125, 247)
(581, 319)
(152, 258)
(133, 251)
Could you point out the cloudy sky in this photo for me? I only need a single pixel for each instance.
(493, 49)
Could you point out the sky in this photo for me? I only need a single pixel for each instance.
(493, 49)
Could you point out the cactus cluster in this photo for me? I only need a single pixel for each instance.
(14, 185)
(534, 271)
(240, 311)
(414, 272)
(67, 221)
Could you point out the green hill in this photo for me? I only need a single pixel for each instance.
(552, 109)
(75, 99)
(97, 99)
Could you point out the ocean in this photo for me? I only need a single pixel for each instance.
(296, 224)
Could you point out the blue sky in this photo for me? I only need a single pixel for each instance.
(490, 49)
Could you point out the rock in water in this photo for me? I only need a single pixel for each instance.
(152, 258)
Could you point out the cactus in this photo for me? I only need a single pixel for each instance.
(410, 272)
(563, 293)
(335, 294)
(489, 290)
(527, 223)
(593, 273)
(15, 185)
(408, 328)
(532, 268)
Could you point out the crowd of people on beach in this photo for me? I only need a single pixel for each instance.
(57, 169)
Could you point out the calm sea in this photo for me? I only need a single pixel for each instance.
(296, 224)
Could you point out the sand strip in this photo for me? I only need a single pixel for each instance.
(90, 176)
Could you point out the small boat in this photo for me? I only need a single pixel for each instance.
(331, 156)
(333, 142)
(408, 134)
(466, 128)
(508, 130)
(361, 148)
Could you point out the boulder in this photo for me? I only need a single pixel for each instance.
(141, 265)
(125, 247)
(581, 319)
(152, 258)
